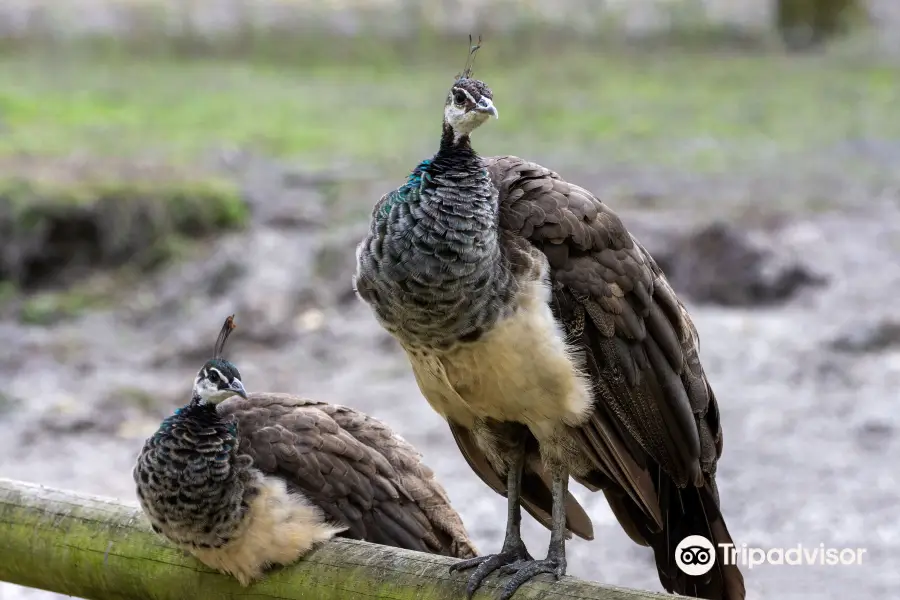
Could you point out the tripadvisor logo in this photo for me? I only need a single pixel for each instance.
(695, 555)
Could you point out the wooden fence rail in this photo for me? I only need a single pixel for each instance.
(101, 549)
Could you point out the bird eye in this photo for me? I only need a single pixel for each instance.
(214, 377)
(459, 98)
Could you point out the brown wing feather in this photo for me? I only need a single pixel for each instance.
(416, 478)
(354, 468)
(655, 432)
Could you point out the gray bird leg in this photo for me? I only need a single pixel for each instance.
(514, 550)
(555, 563)
(513, 539)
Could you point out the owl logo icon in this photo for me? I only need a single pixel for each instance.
(695, 555)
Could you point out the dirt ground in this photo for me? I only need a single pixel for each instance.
(807, 385)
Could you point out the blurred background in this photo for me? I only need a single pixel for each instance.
(164, 163)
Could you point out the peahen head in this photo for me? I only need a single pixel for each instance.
(219, 379)
(470, 101)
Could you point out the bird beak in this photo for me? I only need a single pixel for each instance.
(486, 105)
(238, 388)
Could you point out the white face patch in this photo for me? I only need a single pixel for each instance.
(208, 391)
(462, 122)
(465, 122)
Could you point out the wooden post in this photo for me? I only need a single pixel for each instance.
(101, 549)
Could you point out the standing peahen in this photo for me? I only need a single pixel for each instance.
(552, 344)
(247, 481)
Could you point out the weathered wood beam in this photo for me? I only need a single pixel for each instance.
(101, 549)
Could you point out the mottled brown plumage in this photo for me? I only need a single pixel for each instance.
(261, 480)
(351, 466)
(654, 432)
(554, 347)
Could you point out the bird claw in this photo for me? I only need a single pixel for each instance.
(524, 570)
(485, 565)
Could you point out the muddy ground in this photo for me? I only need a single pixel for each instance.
(805, 360)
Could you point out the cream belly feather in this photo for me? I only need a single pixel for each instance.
(280, 528)
(521, 370)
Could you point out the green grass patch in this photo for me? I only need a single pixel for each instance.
(700, 111)
(46, 308)
(157, 208)
(56, 220)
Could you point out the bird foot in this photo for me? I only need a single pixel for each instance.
(524, 570)
(489, 563)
